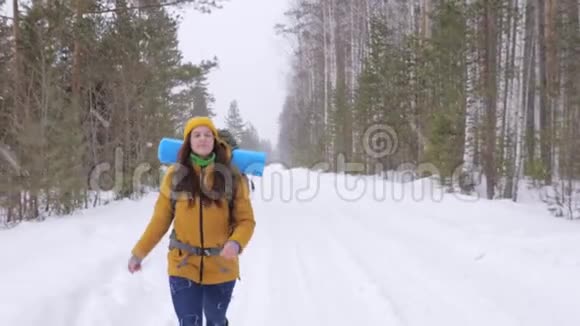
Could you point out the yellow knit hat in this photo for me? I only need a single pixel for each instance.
(196, 122)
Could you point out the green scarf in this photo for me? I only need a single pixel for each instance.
(203, 162)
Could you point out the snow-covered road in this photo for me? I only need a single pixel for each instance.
(320, 261)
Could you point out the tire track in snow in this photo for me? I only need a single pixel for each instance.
(457, 301)
(310, 302)
(272, 290)
(327, 289)
(110, 300)
(295, 298)
(502, 293)
(373, 301)
(253, 290)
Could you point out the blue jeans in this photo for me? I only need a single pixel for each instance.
(191, 299)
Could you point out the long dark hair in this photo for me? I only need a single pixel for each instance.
(189, 180)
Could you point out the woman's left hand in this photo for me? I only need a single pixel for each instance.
(230, 250)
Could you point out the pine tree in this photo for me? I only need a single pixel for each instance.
(234, 121)
(250, 139)
(100, 91)
(444, 57)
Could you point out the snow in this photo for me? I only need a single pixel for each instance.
(328, 250)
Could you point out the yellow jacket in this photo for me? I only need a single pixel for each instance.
(189, 225)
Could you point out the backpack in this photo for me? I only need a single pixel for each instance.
(227, 136)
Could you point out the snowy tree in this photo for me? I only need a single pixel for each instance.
(234, 121)
(250, 138)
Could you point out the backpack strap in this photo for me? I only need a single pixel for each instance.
(173, 196)
(231, 203)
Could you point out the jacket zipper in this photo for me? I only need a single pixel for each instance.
(201, 225)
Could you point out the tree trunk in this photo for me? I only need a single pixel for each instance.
(545, 110)
(518, 98)
(21, 114)
(529, 79)
(489, 69)
(76, 68)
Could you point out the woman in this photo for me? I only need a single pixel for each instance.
(205, 242)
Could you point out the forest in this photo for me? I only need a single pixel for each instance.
(87, 90)
(481, 95)
(473, 92)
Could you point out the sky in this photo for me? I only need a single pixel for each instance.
(252, 58)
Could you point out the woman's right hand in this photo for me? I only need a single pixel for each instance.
(134, 264)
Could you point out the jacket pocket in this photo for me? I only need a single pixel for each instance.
(217, 267)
